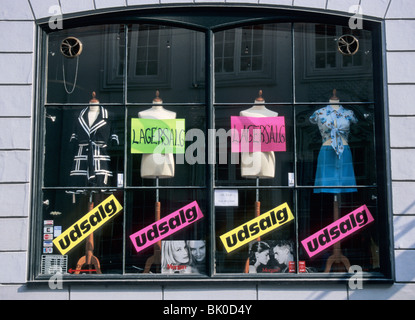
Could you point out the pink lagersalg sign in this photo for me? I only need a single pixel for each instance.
(338, 230)
(251, 134)
(166, 226)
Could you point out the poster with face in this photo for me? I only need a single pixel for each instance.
(183, 256)
(271, 256)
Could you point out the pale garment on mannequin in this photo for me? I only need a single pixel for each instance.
(93, 111)
(258, 164)
(157, 165)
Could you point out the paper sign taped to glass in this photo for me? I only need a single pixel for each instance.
(251, 134)
(338, 230)
(166, 226)
(257, 227)
(158, 136)
(90, 222)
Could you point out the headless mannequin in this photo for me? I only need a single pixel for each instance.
(257, 165)
(90, 261)
(334, 102)
(162, 166)
(337, 256)
(156, 166)
(263, 166)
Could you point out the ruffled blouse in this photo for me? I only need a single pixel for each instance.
(335, 125)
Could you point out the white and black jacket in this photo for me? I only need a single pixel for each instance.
(91, 161)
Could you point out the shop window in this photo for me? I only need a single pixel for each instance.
(166, 158)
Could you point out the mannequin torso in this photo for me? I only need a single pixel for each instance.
(258, 164)
(157, 165)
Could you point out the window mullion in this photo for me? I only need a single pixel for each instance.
(210, 124)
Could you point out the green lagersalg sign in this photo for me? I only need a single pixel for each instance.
(157, 136)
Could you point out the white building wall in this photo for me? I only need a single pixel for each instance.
(17, 65)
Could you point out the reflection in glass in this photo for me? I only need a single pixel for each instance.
(320, 66)
(165, 58)
(251, 57)
(99, 67)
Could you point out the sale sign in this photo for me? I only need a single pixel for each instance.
(250, 134)
(157, 136)
(166, 226)
(90, 222)
(337, 231)
(257, 227)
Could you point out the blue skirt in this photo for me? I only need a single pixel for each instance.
(332, 171)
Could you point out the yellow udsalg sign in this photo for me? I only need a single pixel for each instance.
(257, 227)
(90, 222)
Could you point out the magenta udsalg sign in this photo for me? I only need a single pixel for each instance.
(337, 231)
(166, 226)
(251, 134)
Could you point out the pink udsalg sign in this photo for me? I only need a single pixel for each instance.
(166, 226)
(252, 134)
(338, 230)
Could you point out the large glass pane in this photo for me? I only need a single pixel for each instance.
(68, 246)
(84, 146)
(337, 232)
(243, 167)
(166, 233)
(83, 60)
(353, 125)
(331, 57)
(166, 58)
(238, 249)
(251, 58)
(185, 167)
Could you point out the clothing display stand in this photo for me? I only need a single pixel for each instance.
(156, 257)
(89, 263)
(257, 214)
(264, 168)
(151, 169)
(337, 256)
(334, 163)
(257, 203)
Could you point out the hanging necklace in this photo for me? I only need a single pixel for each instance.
(75, 80)
(71, 47)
